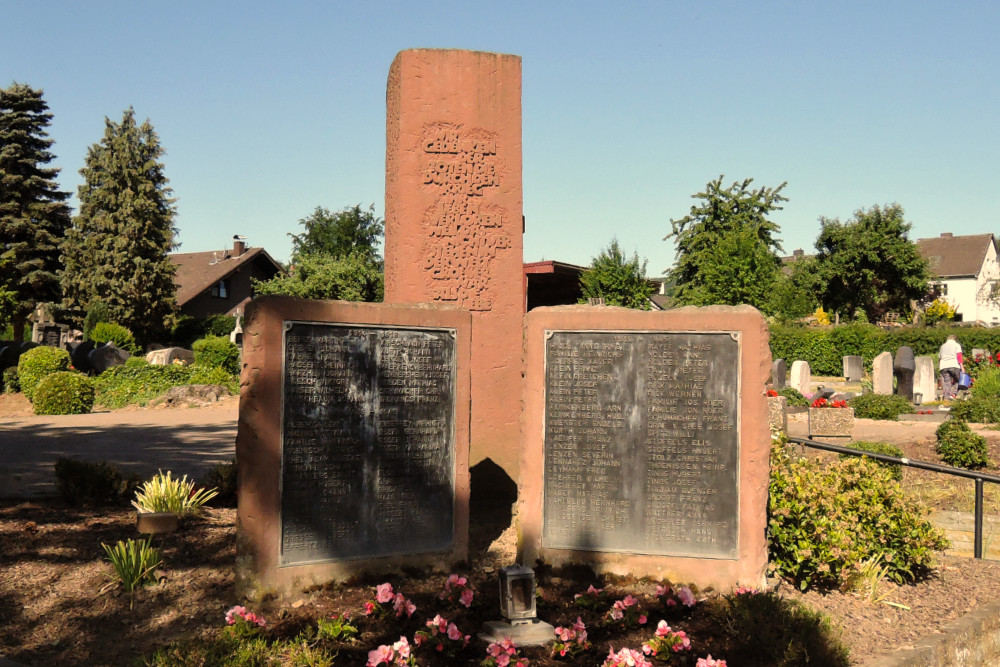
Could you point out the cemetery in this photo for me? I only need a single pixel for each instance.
(446, 479)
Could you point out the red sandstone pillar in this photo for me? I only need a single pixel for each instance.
(453, 214)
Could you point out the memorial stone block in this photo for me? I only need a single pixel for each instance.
(924, 379)
(882, 374)
(903, 367)
(854, 368)
(779, 374)
(646, 441)
(801, 377)
(453, 211)
(353, 441)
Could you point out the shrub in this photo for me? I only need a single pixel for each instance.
(879, 448)
(224, 478)
(793, 396)
(109, 332)
(140, 383)
(189, 329)
(134, 562)
(880, 406)
(987, 385)
(97, 311)
(86, 483)
(219, 352)
(64, 393)
(960, 447)
(826, 519)
(977, 409)
(11, 382)
(164, 493)
(38, 362)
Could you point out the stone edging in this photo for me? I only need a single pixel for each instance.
(972, 640)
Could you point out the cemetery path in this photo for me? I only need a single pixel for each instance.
(184, 440)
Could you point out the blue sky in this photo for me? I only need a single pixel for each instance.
(267, 110)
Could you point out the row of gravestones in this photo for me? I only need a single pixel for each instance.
(914, 376)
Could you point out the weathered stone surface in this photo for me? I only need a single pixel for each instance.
(903, 367)
(779, 374)
(777, 413)
(453, 211)
(854, 368)
(190, 395)
(831, 422)
(106, 356)
(882, 374)
(170, 355)
(924, 379)
(801, 379)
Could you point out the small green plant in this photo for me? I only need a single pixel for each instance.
(880, 406)
(134, 562)
(977, 410)
(960, 447)
(38, 362)
(111, 332)
(879, 448)
(793, 396)
(987, 385)
(87, 483)
(867, 580)
(337, 627)
(11, 382)
(164, 493)
(218, 352)
(64, 393)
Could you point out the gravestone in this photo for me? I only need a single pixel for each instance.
(453, 212)
(882, 374)
(106, 356)
(79, 355)
(801, 379)
(903, 367)
(166, 356)
(645, 447)
(779, 374)
(924, 380)
(854, 368)
(352, 441)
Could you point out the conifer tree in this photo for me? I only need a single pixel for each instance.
(117, 249)
(33, 214)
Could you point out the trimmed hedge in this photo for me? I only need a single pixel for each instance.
(64, 393)
(38, 362)
(879, 406)
(977, 409)
(111, 332)
(218, 352)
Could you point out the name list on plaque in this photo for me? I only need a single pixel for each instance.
(642, 443)
(368, 444)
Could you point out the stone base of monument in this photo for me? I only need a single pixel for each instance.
(831, 422)
(151, 523)
(535, 633)
(777, 413)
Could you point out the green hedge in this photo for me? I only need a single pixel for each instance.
(825, 347)
(139, 383)
(38, 362)
(64, 393)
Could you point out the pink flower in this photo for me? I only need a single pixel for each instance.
(662, 629)
(402, 605)
(708, 662)
(402, 648)
(671, 602)
(744, 590)
(508, 645)
(564, 634)
(466, 597)
(579, 625)
(503, 660)
(686, 596)
(642, 619)
(369, 608)
(383, 593)
(233, 613)
(453, 632)
(662, 590)
(382, 654)
(629, 601)
(616, 614)
(438, 622)
(684, 644)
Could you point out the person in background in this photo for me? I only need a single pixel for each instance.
(951, 366)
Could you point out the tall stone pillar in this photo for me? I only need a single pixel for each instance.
(453, 217)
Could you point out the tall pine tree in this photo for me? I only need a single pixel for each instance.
(33, 214)
(116, 251)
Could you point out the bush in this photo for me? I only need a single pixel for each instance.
(978, 410)
(85, 483)
(164, 493)
(960, 447)
(38, 362)
(987, 385)
(793, 396)
(219, 352)
(880, 406)
(189, 329)
(11, 382)
(109, 332)
(826, 519)
(140, 383)
(64, 393)
(879, 448)
(97, 311)
(224, 478)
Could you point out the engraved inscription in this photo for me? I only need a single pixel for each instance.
(641, 443)
(367, 442)
(463, 233)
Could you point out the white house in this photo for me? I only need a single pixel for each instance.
(967, 274)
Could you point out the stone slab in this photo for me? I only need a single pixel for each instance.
(924, 379)
(831, 422)
(882, 374)
(801, 377)
(779, 374)
(538, 633)
(638, 425)
(777, 413)
(454, 223)
(352, 441)
(854, 368)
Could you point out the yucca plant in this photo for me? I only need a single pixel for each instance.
(164, 493)
(134, 562)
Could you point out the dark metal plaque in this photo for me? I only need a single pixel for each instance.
(368, 441)
(642, 443)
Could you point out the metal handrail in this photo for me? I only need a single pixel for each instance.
(978, 477)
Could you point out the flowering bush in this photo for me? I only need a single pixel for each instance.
(590, 598)
(571, 640)
(384, 597)
(670, 597)
(442, 636)
(397, 655)
(457, 591)
(243, 623)
(626, 612)
(666, 641)
(824, 403)
(503, 654)
(626, 657)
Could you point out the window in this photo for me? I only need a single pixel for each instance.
(220, 290)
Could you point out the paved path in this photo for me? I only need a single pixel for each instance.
(184, 440)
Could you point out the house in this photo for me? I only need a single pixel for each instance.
(551, 283)
(217, 282)
(967, 274)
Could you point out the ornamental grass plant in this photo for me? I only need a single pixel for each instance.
(134, 562)
(165, 493)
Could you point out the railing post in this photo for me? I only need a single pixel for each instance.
(979, 518)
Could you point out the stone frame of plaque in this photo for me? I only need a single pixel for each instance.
(262, 568)
(625, 525)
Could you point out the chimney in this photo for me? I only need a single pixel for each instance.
(239, 245)
(947, 235)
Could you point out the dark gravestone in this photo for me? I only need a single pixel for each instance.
(903, 368)
(106, 356)
(779, 374)
(9, 353)
(78, 355)
(641, 443)
(51, 336)
(368, 442)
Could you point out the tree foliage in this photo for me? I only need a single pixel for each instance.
(795, 294)
(353, 277)
(727, 252)
(116, 251)
(618, 280)
(868, 265)
(351, 230)
(33, 214)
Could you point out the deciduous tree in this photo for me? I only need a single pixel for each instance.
(351, 230)
(353, 277)
(618, 280)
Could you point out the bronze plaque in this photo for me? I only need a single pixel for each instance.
(642, 443)
(368, 441)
